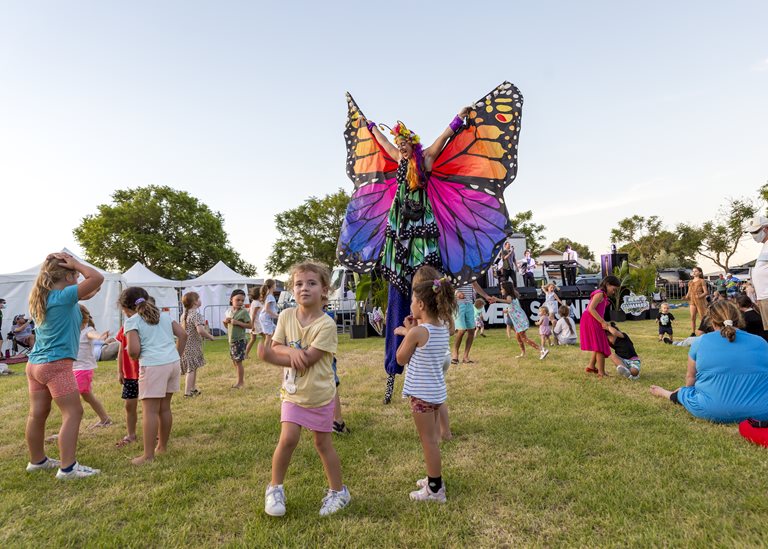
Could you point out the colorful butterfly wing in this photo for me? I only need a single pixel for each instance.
(469, 176)
(372, 171)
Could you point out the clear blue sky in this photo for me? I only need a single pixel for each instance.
(650, 108)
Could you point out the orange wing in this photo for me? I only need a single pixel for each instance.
(367, 161)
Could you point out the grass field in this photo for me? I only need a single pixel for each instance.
(543, 454)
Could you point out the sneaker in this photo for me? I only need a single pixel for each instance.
(623, 371)
(422, 482)
(49, 463)
(78, 471)
(425, 494)
(544, 353)
(335, 501)
(274, 501)
(340, 428)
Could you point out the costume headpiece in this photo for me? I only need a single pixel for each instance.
(401, 131)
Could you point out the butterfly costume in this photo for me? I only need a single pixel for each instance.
(453, 217)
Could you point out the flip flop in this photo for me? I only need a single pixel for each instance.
(467, 361)
(123, 442)
(454, 361)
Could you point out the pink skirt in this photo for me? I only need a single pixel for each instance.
(315, 419)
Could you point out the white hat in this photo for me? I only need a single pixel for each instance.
(756, 223)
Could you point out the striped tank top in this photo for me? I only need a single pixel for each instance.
(469, 293)
(424, 377)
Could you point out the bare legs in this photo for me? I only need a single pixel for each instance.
(240, 374)
(427, 425)
(190, 383)
(289, 439)
(98, 407)
(522, 339)
(457, 344)
(596, 363)
(660, 392)
(694, 316)
(157, 422)
(251, 343)
(71, 413)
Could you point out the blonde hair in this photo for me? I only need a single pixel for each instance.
(311, 267)
(720, 312)
(545, 309)
(87, 317)
(479, 303)
(51, 272)
(188, 300)
(137, 299)
(264, 290)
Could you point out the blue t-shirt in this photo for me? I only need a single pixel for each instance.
(158, 345)
(731, 378)
(57, 337)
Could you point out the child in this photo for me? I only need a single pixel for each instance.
(53, 305)
(507, 311)
(565, 329)
(237, 320)
(665, 323)
(192, 358)
(551, 301)
(423, 350)
(268, 312)
(85, 364)
(150, 341)
(593, 325)
(624, 356)
(304, 344)
(128, 377)
(479, 324)
(253, 310)
(519, 320)
(545, 326)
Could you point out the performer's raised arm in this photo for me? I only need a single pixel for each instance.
(382, 139)
(431, 152)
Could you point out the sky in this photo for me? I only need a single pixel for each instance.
(652, 108)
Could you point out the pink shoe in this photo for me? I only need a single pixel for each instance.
(425, 494)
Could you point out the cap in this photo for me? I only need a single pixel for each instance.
(756, 223)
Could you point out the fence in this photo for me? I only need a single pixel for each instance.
(676, 290)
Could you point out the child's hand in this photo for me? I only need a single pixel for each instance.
(120, 377)
(226, 321)
(459, 295)
(298, 359)
(65, 260)
(401, 331)
(409, 322)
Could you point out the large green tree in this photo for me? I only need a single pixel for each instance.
(649, 242)
(309, 231)
(171, 232)
(522, 222)
(581, 249)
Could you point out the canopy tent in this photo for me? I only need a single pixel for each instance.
(16, 287)
(164, 290)
(214, 288)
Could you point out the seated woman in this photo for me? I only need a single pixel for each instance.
(727, 379)
(23, 329)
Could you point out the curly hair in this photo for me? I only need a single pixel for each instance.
(435, 292)
(312, 267)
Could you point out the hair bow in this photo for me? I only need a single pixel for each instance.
(436, 283)
(728, 322)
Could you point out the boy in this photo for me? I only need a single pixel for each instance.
(665, 323)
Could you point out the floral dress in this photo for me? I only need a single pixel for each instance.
(410, 243)
(520, 321)
(192, 357)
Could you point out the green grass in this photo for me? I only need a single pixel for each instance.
(544, 454)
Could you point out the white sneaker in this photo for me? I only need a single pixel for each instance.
(78, 471)
(544, 353)
(623, 371)
(335, 501)
(422, 482)
(425, 494)
(274, 501)
(49, 463)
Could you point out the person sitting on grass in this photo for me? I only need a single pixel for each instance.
(753, 322)
(565, 329)
(624, 355)
(727, 379)
(705, 327)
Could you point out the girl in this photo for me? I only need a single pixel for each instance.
(697, 297)
(150, 341)
(268, 312)
(594, 326)
(192, 358)
(304, 344)
(519, 320)
(85, 364)
(237, 320)
(479, 324)
(254, 310)
(565, 329)
(507, 311)
(551, 301)
(53, 305)
(545, 326)
(128, 377)
(423, 350)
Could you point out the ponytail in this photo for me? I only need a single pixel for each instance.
(436, 292)
(728, 317)
(137, 299)
(264, 290)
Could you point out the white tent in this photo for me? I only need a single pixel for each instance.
(16, 287)
(165, 291)
(214, 288)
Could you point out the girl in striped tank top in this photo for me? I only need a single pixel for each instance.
(423, 350)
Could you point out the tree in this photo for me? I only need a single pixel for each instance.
(647, 242)
(171, 232)
(522, 222)
(581, 249)
(721, 236)
(309, 231)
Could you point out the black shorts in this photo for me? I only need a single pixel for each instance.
(130, 389)
(665, 330)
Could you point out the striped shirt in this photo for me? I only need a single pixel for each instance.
(469, 293)
(424, 377)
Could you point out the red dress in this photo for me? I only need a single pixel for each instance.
(592, 335)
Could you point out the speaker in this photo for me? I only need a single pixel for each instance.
(527, 293)
(608, 262)
(569, 292)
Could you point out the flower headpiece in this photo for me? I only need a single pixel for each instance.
(401, 131)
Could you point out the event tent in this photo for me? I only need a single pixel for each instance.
(164, 290)
(16, 287)
(214, 288)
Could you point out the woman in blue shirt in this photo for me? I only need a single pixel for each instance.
(727, 379)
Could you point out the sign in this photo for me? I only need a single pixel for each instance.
(635, 305)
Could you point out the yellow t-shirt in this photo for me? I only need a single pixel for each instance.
(315, 387)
